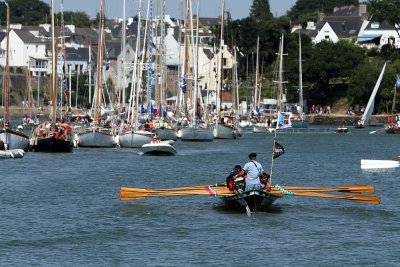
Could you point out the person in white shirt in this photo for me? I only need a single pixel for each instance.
(253, 169)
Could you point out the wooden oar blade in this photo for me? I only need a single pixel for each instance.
(126, 193)
(359, 198)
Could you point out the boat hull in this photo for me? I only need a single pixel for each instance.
(378, 164)
(12, 154)
(256, 200)
(14, 139)
(222, 131)
(95, 139)
(393, 129)
(135, 139)
(342, 130)
(166, 134)
(52, 144)
(158, 149)
(197, 134)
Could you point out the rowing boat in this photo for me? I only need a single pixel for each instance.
(378, 164)
(12, 154)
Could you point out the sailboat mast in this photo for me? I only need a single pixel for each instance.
(7, 82)
(186, 45)
(53, 67)
(256, 103)
(124, 56)
(280, 76)
(150, 63)
(196, 72)
(300, 78)
(221, 85)
(99, 62)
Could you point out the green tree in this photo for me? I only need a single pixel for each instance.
(329, 67)
(33, 13)
(310, 8)
(79, 19)
(385, 10)
(260, 10)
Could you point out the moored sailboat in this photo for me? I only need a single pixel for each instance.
(371, 102)
(52, 137)
(11, 138)
(96, 136)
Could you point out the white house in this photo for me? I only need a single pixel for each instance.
(24, 47)
(377, 34)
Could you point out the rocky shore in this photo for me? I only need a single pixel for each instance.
(340, 119)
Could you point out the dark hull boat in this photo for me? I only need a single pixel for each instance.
(52, 144)
(257, 200)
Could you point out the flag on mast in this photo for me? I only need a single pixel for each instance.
(278, 150)
(398, 82)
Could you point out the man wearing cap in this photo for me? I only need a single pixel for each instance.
(253, 168)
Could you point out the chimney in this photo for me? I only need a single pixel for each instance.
(362, 10)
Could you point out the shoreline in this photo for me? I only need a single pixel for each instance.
(333, 119)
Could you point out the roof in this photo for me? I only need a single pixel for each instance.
(77, 54)
(27, 37)
(2, 36)
(372, 25)
(86, 36)
(208, 53)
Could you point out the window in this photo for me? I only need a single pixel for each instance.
(374, 25)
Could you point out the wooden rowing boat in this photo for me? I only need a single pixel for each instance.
(256, 200)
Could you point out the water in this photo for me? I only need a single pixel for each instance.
(63, 209)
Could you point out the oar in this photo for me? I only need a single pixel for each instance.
(135, 193)
(344, 189)
(358, 198)
(350, 188)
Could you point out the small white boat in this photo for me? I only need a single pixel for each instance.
(159, 148)
(12, 154)
(378, 164)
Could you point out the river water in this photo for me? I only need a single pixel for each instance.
(64, 210)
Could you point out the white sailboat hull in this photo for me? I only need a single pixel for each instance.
(166, 134)
(12, 154)
(95, 139)
(135, 139)
(196, 134)
(161, 148)
(15, 140)
(378, 164)
(225, 132)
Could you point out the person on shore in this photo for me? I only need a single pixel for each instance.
(253, 169)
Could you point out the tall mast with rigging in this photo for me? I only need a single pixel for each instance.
(7, 82)
(53, 67)
(100, 62)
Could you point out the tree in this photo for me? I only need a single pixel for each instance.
(260, 10)
(329, 67)
(385, 10)
(33, 13)
(80, 19)
(304, 7)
